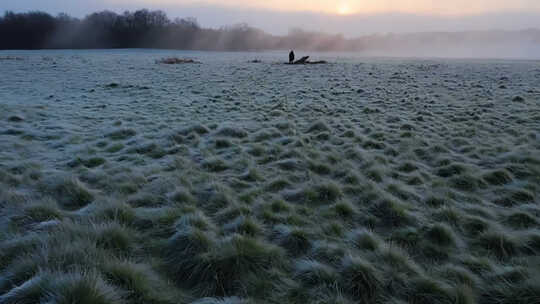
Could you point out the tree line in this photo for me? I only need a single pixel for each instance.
(148, 29)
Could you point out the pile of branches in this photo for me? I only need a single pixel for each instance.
(175, 60)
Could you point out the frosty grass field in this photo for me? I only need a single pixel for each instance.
(361, 181)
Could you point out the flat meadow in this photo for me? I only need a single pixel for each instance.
(232, 180)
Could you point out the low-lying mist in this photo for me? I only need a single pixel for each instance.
(153, 29)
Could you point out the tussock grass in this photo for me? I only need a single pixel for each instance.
(196, 128)
(215, 165)
(266, 134)
(400, 192)
(319, 168)
(428, 290)
(375, 175)
(121, 134)
(459, 275)
(397, 260)
(318, 127)
(514, 198)
(435, 201)
(232, 211)
(218, 268)
(261, 198)
(139, 283)
(364, 239)
(498, 177)
(451, 170)
(360, 279)
(498, 244)
(9, 179)
(343, 209)
(295, 240)
(245, 226)
(29, 291)
(196, 220)
(256, 150)
(182, 195)
(89, 163)
(230, 131)
(16, 246)
(449, 215)
(82, 288)
(214, 198)
(278, 185)
(151, 150)
(316, 194)
(185, 243)
(222, 143)
(71, 193)
(532, 241)
(113, 236)
(406, 237)
(328, 252)
(520, 220)
(475, 225)
(312, 273)
(289, 164)
(415, 181)
(441, 235)
(42, 211)
(328, 192)
(465, 182)
(145, 200)
(505, 292)
(407, 167)
(280, 206)
(392, 213)
(251, 175)
(63, 288)
(113, 211)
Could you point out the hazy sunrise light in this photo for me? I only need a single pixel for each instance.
(345, 7)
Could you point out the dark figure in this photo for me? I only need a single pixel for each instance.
(291, 57)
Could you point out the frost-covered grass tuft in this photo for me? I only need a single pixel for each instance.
(361, 279)
(58, 287)
(219, 267)
(70, 192)
(313, 273)
(295, 240)
(499, 244)
(441, 235)
(121, 134)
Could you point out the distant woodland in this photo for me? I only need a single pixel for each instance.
(153, 29)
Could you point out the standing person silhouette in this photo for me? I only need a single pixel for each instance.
(291, 57)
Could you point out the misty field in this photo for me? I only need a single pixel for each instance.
(234, 180)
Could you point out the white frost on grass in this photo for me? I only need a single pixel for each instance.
(405, 180)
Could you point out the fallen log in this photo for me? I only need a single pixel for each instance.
(302, 60)
(317, 62)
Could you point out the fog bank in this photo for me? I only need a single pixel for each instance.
(154, 29)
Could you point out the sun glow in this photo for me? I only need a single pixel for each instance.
(344, 9)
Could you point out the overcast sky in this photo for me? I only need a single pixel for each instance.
(350, 17)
